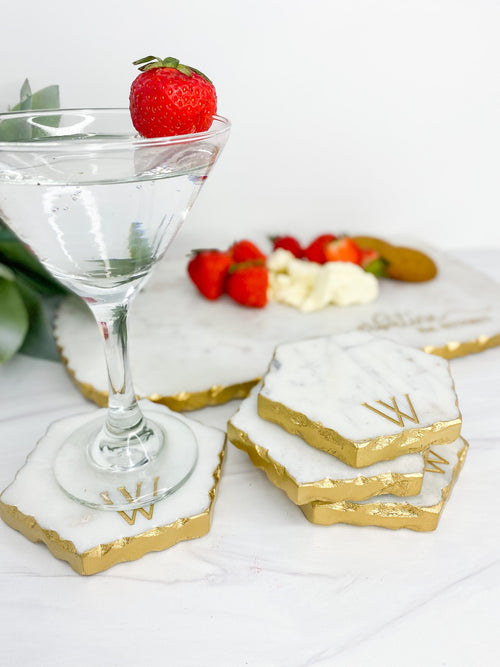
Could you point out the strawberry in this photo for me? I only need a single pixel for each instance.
(168, 98)
(208, 270)
(245, 251)
(247, 284)
(343, 250)
(289, 243)
(315, 251)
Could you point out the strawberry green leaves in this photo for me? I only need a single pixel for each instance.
(152, 62)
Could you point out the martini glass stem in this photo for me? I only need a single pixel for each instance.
(126, 440)
(123, 411)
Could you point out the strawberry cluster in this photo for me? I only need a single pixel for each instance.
(240, 272)
(330, 248)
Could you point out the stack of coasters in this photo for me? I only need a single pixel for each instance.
(356, 429)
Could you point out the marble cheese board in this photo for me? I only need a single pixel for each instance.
(187, 352)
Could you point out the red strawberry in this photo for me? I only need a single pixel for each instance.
(208, 270)
(315, 252)
(247, 284)
(168, 98)
(343, 250)
(245, 251)
(289, 243)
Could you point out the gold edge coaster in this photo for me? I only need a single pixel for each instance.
(456, 349)
(385, 515)
(183, 401)
(326, 490)
(103, 556)
(219, 394)
(364, 453)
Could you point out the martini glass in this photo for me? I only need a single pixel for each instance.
(99, 205)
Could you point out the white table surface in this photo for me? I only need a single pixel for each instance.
(264, 587)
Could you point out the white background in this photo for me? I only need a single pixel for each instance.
(371, 116)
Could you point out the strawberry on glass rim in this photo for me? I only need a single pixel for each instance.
(169, 98)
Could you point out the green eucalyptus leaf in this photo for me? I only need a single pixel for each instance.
(15, 254)
(39, 340)
(25, 91)
(46, 98)
(6, 273)
(14, 320)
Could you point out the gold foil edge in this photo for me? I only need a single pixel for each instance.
(325, 490)
(359, 453)
(103, 556)
(184, 401)
(455, 349)
(219, 394)
(385, 515)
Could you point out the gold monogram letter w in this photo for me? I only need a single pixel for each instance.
(400, 416)
(131, 519)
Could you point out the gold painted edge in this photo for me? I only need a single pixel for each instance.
(184, 401)
(325, 490)
(103, 556)
(385, 515)
(219, 394)
(358, 454)
(456, 349)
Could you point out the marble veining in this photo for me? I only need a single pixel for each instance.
(333, 380)
(303, 462)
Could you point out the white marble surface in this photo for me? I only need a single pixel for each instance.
(265, 588)
(330, 380)
(36, 493)
(192, 344)
(304, 463)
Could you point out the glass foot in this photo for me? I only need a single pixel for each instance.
(161, 468)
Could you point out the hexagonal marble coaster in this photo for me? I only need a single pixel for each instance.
(361, 398)
(94, 540)
(421, 512)
(307, 474)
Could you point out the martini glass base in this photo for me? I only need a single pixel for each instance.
(118, 490)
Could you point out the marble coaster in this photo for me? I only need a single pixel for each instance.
(94, 540)
(306, 474)
(188, 352)
(361, 398)
(421, 512)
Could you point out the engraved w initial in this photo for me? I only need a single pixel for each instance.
(131, 519)
(395, 409)
(433, 462)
